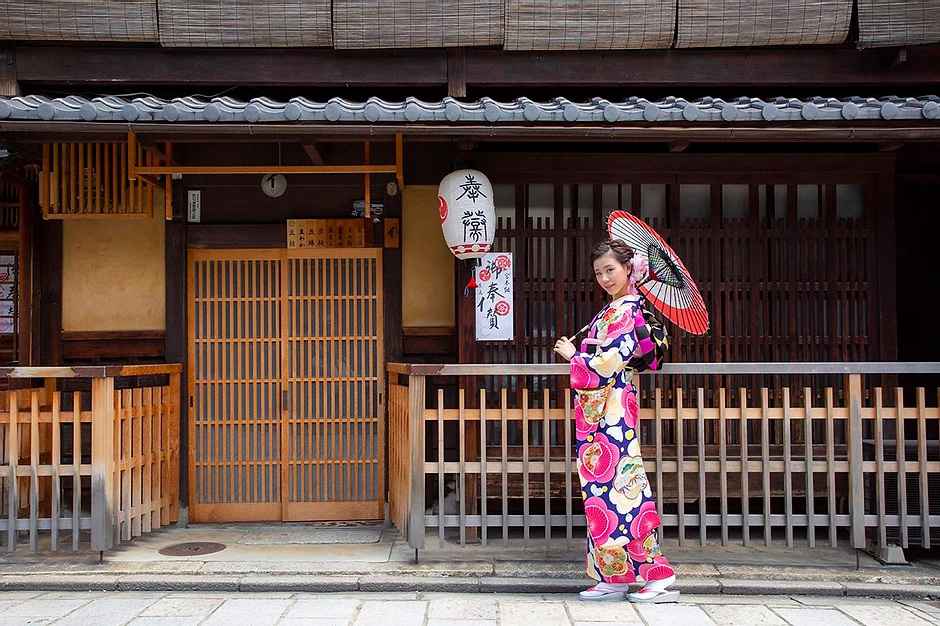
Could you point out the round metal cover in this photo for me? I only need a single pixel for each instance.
(192, 548)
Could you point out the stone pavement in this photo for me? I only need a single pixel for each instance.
(432, 609)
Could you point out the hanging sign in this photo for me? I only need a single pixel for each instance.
(339, 233)
(467, 212)
(494, 302)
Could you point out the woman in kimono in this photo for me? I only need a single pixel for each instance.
(623, 546)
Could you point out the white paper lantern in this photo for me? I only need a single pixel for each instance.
(468, 216)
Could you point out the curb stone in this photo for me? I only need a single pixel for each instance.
(310, 584)
(420, 583)
(58, 583)
(777, 587)
(497, 584)
(879, 590)
(163, 582)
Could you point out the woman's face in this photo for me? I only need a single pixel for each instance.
(612, 275)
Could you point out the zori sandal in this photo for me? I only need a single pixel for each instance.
(654, 596)
(604, 591)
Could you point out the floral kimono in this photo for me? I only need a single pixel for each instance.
(618, 503)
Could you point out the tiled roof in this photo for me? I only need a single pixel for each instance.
(559, 111)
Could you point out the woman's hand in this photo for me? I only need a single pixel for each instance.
(565, 348)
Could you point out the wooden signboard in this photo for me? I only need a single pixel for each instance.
(341, 233)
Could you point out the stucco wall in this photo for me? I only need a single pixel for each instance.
(427, 264)
(113, 274)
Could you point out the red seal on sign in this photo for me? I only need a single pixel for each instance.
(503, 262)
(442, 207)
(485, 275)
(502, 308)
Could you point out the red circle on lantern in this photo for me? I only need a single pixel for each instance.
(485, 275)
(442, 207)
(502, 308)
(503, 262)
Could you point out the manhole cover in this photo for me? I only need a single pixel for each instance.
(192, 548)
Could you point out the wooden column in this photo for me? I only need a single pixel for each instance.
(176, 349)
(853, 399)
(416, 390)
(102, 464)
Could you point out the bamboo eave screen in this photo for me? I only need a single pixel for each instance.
(87, 180)
(704, 23)
(79, 20)
(589, 24)
(898, 22)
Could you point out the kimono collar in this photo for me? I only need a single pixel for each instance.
(629, 296)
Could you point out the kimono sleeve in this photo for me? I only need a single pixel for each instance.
(616, 332)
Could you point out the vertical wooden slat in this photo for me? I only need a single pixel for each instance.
(34, 471)
(745, 471)
(80, 173)
(765, 461)
(680, 465)
(854, 433)
(810, 466)
(440, 466)
(830, 466)
(461, 470)
(125, 460)
(116, 180)
(76, 467)
(700, 427)
(13, 457)
(568, 452)
(658, 413)
(787, 470)
(525, 462)
(96, 178)
(483, 470)
(151, 399)
(56, 467)
(880, 468)
(102, 460)
(723, 464)
(503, 458)
(546, 448)
(924, 484)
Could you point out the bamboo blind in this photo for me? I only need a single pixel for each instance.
(417, 23)
(898, 22)
(589, 24)
(245, 23)
(704, 23)
(90, 180)
(79, 20)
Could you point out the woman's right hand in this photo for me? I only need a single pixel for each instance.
(565, 348)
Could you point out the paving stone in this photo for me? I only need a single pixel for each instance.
(111, 610)
(182, 607)
(178, 583)
(525, 585)
(313, 584)
(608, 612)
(314, 621)
(882, 614)
(248, 611)
(462, 622)
(463, 608)
(38, 608)
(743, 615)
(333, 608)
(787, 587)
(418, 583)
(815, 617)
(164, 621)
(692, 598)
(377, 613)
(671, 614)
(529, 613)
(17, 596)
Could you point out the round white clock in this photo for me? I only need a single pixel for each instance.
(273, 185)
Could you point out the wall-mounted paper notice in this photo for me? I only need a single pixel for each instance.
(494, 303)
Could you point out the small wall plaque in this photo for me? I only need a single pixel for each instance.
(392, 232)
(342, 233)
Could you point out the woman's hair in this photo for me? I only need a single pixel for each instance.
(620, 251)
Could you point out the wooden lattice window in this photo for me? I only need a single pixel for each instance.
(88, 180)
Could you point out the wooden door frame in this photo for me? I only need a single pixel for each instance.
(280, 511)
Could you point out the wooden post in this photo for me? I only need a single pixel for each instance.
(416, 386)
(102, 464)
(853, 395)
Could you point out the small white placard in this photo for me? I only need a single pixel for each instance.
(494, 302)
(194, 205)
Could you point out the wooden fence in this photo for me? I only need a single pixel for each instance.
(90, 457)
(820, 466)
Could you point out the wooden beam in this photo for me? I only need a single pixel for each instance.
(266, 169)
(456, 73)
(400, 161)
(679, 146)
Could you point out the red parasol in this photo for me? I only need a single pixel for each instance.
(669, 286)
